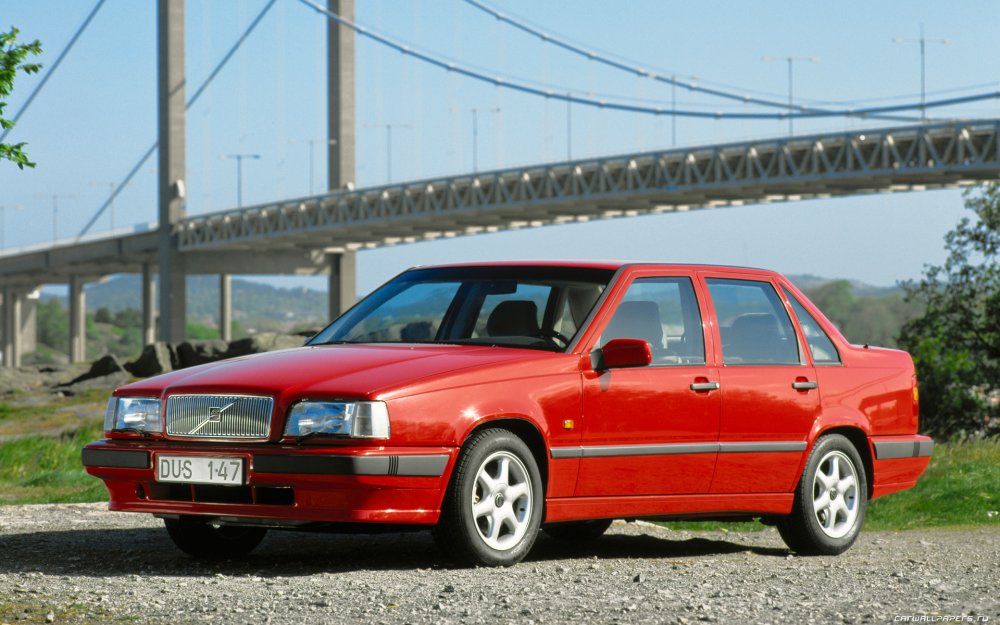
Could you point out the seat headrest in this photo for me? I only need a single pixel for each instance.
(513, 318)
(636, 320)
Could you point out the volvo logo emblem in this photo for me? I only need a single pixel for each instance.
(214, 416)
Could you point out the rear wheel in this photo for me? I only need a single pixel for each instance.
(493, 506)
(205, 541)
(578, 530)
(830, 500)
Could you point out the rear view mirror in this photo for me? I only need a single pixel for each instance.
(619, 353)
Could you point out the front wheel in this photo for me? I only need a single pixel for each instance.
(205, 541)
(493, 506)
(830, 500)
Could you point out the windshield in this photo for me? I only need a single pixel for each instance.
(531, 307)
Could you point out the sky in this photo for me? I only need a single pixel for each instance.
(97, 116)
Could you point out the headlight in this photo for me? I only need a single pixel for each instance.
(133, 413)
(361, 419)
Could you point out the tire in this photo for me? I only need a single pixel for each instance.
(493, 506)
(830, 500)
(578, 531)
(204, 541)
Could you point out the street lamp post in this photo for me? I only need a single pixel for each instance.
(55, 210)
(239, 174)
(312, 144)
(923, 41)
(790, 60)
(388, 145)
(475, 110)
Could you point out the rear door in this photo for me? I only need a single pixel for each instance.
(647, 430)
(770, 396)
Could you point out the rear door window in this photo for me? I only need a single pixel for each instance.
(753, 323)
(820, 346)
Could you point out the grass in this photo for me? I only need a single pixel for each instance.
(23, 419)
(36, 610)
(47, 469)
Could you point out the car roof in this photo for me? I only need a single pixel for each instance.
(613, 265)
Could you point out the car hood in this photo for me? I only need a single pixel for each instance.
(349, 371)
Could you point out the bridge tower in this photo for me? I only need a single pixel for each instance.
(341, 134)
(171, 123)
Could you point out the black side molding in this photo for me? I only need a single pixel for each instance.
(886, 450)
(115, 458)
(431, 465)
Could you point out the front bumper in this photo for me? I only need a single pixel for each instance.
(288, 483)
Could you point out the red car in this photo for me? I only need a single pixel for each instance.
(488, 401)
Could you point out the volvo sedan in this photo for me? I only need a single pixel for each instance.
(488, 402)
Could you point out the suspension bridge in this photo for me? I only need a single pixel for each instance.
(320, 234)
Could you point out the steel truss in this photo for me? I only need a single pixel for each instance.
(827, 165)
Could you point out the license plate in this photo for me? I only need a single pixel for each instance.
(200, 470)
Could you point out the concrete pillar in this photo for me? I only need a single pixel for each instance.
(11, 322)
(148, 304)
(343, 289)
(170, 48)
(77, 320)
(5, 345)
(226, 307)
(29, 321)
(340, 87)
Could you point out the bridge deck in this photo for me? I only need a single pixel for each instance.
(816, 166)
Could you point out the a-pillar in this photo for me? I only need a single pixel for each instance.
(77, 320)
(226, 307)
(12, 300)
(343, 290)
(148, 304)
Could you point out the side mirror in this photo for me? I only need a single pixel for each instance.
(620, 353)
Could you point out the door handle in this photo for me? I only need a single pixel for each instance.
(705, 386)
(804, 385)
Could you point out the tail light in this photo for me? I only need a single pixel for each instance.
(916, 400)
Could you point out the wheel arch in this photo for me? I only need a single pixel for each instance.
(528, 432)
(862, 444)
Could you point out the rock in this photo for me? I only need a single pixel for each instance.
(191, 353)
(110, 381)
(263, 342)
(102, 367)
(156, 358)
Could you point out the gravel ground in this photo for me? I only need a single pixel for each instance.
(79, 564)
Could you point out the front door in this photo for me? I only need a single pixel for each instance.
(652, 430)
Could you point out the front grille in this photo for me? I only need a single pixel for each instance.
(219, 416)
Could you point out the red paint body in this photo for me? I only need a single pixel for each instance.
(438, 394)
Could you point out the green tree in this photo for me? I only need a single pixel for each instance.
(12, 57)
(53, 325)
(956, 343)
(103, 315)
